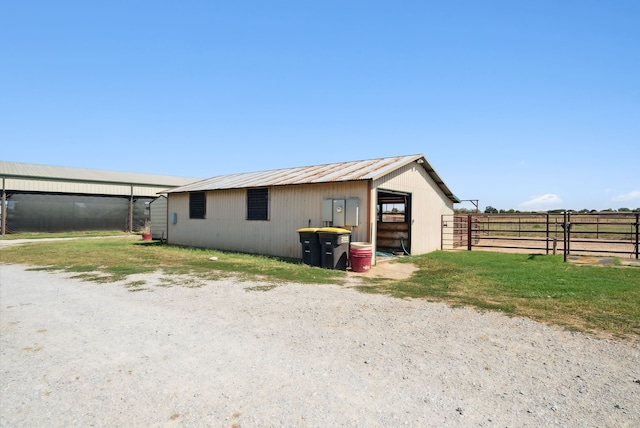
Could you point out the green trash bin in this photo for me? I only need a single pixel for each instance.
(310, 246)
(334, 247)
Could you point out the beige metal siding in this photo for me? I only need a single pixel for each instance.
(291, 208)
(45, 186)
(428, 203)
(158, 217)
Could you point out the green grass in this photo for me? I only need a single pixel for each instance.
(587, 298)
(107, 260)
(42, 235)
(541, 287)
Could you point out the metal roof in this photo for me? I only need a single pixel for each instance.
(61, 173)
(328, 173)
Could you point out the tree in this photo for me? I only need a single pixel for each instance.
(490, 210)
(624, 210)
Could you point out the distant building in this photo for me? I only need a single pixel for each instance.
(44, 198)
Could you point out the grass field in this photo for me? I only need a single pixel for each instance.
(115, 259)
(587, 298)
(541, 287)
(45, 235)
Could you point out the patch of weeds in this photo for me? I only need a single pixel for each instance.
(186, 281)
(120, 273)
(134, 284)
(165, 282)
(192, 284)
(371, 289)
(81, 268)
(212, 276)
(95, 277)
(43, 269)
(267, 287)
(376, 280)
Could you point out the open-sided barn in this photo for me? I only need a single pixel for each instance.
(395, 203)
(45, 198)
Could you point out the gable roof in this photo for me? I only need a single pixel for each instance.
(328, 173)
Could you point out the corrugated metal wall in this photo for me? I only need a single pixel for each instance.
(47, 186)
(158, 217)
(428, 203)
(291, 208)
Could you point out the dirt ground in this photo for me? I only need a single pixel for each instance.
(243, 354)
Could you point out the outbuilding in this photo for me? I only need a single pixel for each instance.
(395, 203)
(48, 198)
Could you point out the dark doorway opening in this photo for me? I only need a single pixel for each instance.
(393, 222)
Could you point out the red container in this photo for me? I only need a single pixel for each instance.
(360, 254)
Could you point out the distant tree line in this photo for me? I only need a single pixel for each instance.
(491, 210)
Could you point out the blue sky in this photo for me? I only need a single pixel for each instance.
(523, 104)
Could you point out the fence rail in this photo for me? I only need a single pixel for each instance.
(580, 234)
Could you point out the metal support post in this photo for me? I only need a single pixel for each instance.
(565, 230)
(469, 232)
(3, 209)
(131, 211)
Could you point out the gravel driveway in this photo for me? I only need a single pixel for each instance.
(238, 354)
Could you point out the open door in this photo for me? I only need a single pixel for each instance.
(393, 234)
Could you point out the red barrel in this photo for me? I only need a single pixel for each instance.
(360, 254)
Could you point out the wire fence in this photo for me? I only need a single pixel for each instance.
(612, 234)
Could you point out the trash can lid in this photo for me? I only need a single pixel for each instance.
(335, 230)
(307, 230)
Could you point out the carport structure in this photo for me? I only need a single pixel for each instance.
(46, 198)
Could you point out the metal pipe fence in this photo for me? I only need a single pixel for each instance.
(614, 234)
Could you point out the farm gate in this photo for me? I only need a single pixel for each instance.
(615, 234)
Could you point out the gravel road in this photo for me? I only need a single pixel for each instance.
(242, 354)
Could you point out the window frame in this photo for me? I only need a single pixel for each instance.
(197, 208)
(258, 204)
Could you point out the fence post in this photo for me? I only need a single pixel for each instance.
(547, 243)
(468, 232)
(569, 233)
(564, 229)
(637, 233)
(442, 226)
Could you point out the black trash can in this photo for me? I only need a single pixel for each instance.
(310, 246)
(334, 245)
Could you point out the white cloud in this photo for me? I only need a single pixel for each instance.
(544, 201)
(626, 197)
